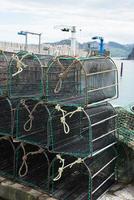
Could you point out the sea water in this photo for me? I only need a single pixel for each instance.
(126, 83)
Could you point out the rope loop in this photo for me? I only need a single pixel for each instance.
(29, 123)
(65, 71)
(58, 86)
(63, 119)
(19, 65)
(61, 169)
(65, 125)
(24, 165)
(70, 114)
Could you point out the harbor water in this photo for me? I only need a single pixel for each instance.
(126, 83)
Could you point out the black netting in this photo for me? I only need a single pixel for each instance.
(7, 116)
(80, 81)
(89, 131)
(83, 181)
(7, 156)
(38, 161)
(32, 117)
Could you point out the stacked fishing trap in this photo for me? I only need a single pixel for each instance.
(57, 127)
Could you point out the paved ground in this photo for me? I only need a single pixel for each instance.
(14, 191)
(120, 192)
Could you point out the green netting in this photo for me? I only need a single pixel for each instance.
(126, 124)
(80, 179)
(3, 73)
(81, 131)
(81, 81)
(32, 117)
(32, 166)
(8, 116)
(26, 75)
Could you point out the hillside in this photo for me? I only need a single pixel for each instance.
(116, 49)
(131, 55)
(119, 50)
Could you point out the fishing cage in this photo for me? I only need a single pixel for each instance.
(126, 124)
(3, 73)
(32, 164)
(81, 81)
(85, 179)
(81, 131)
(7, 156)
(25, 76)
(32, 117)
(8, 116)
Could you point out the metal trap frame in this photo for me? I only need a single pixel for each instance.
(82, 179)
(32, 117)
(32, 164)
(8, 116)
(81, 81)
(83, 131)
(126, 124)
(25, 76)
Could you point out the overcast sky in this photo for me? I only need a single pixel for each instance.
(112, 19)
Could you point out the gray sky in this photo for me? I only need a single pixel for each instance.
(113, 19)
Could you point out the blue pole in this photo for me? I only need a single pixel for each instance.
(101, 46)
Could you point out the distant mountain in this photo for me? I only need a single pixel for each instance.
(131, 55)
(116, 49)
(62, 42)
(119, 50)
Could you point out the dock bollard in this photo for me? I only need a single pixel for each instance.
(121, 70)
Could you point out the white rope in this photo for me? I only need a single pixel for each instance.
(24, 164)
(63, 74)
(61, 169)
(29, 123)
(70, 114)
(5, 138)
(58, 86)
(19, 65)
(63, 119)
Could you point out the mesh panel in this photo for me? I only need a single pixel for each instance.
(36, 175)
(90, 130)
(84, 181)
(26, 76)
(7, 116)
(32, 121)
(80, 81)
(7, 157)
(3, 73)
(126, 124)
